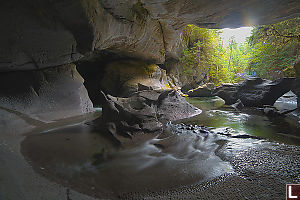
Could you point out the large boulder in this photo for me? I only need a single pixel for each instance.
(145, 112)
(228, 92)
(258, 92)
(205, 90)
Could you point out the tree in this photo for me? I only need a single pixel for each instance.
(204, 55)
(274, 49)
(239, 56)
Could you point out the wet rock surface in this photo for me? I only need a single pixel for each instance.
(143, 112)
(202, 91)
(255, 92)
(228, 92)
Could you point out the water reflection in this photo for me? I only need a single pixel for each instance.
(250, 122)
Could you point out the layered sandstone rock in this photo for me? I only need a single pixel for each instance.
(256, 92)
(143, 112)
(259, 92)
(123, 78)
(38, 34)
(44, 95)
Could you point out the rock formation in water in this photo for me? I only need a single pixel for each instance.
(202, 91)
(228, 92)
(256, 92)
(143, 112)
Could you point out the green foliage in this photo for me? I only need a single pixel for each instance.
(239, 56)
(204, 55)
(274, 49)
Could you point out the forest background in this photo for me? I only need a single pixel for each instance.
(271, 52)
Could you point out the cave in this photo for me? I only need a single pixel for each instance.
(94, 104)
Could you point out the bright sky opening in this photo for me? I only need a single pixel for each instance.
(240, 34)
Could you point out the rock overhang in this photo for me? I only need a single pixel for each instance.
(44, 33)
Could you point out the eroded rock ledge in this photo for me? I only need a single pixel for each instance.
(257, 92)
(43, 33)
(42, 95)
(143, 112)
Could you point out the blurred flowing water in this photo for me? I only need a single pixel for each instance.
(252, 121)
(86, 160)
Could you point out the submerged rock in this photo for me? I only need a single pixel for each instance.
(144, 112)
(272, 112)
(206, 103)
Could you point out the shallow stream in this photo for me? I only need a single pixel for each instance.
(79, 156)
(249, 122)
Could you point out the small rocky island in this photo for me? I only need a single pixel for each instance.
(143, 100)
